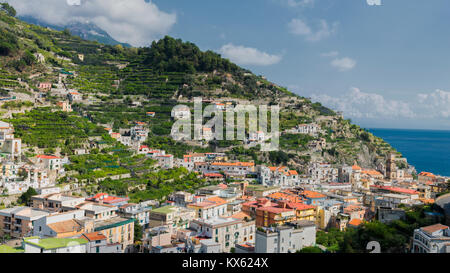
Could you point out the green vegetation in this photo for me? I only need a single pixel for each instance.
(138, 231)
(393, 237)
(162, 183)
(278, 157)
(7, 249)
(46, 129)
(178, 149)
(17, 105)
(295, 142)
(25, 198)
(8, 9)
(310, 249)
(170, 55)
(52, 243)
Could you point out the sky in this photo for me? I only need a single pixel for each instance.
(384, 63)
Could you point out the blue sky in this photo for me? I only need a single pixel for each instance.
(384, 65)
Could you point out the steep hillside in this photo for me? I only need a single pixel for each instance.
(120, 85)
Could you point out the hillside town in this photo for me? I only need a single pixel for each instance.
(248, 208)
(89, 165)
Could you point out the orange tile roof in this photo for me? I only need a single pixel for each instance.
(356, 167)
(313, 194)
(372, 172)
(237, 164)
(285, 196)
(300, 206)
(240, 215)
(427, 174)
(210, 202)
(94, 236)
(427, 201)
(216, 200)
(274, 209)
(213, 175)
(355, 222)
(65, 226)
(433, 228)
(47, 157)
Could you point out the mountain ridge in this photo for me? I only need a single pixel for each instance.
(114, 78)
(87, 31)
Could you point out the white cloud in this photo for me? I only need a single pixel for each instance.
(301, 28)
(432, 107)
(248, 56)
(133, 21)
(435, 104)
(343, 64)
(358, 104)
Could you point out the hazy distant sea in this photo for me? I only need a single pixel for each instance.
(427, 150)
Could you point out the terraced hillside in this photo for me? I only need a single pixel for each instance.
(120, 85)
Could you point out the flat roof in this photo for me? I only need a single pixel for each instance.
(164, 210)
(111, 223)
(8, 249)
(52, 243)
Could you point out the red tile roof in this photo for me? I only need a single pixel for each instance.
(213, 175)
(433, 228)
(94, 236)
(355, 222)
(47, 157)
(313, 194)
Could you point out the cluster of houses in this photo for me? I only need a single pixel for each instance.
(59, 223)
(247, 209)
(133, 137)
(311, 129)
(16, 174)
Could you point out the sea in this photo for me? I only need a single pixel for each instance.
(427, 150)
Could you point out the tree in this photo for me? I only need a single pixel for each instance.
(137, 231)
(26, 196)
(66, 32)
(29, 58)
(310, 249)
(8, 9)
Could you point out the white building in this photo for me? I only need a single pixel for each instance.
(239, 169)
(181, 112)
(286, 239)
(98, 244)
(208, 134)
(225, 231)
(308, 129)
(54, 245)
(278, 176)
(139, 132)
(165, 161)
(258, 136)
(431, 239)
(74, 96)
(209, 208)
(59, 224)
(50, 162)
(323, 172)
